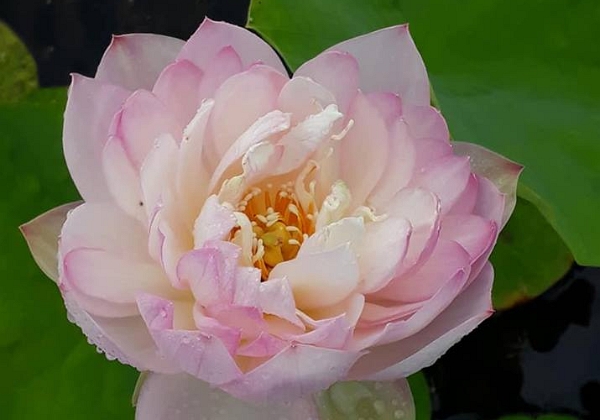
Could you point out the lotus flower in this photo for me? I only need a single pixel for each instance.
(246, 236)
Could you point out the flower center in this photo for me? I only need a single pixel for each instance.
(279, 225)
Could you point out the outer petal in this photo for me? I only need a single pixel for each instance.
(302, 97)
(42, 235)
(402, 358)
(389, 62)
(296, 372)
(336, 71)
(501, 171)
(134, 61)
(212, 36)
(125, 339)
(183, 397)
(90, 109)
(178, 87)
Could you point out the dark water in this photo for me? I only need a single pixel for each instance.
(543, 356)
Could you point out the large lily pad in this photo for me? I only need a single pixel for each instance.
(19, 74)
(522, 78)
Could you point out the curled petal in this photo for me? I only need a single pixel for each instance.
(134, 61)
(501, 171)
(42, 235)
(212, 36)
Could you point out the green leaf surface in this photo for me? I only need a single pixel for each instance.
(19, 74)
(522, 78)
(529, 257)
(421, 395)
(48, 368)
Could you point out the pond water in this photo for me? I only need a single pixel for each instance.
(543, 356)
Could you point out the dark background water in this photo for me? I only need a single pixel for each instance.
(543, 356)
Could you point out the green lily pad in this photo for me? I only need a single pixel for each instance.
(522, 78)
(19, 74)
(529, 257)
(50, 370)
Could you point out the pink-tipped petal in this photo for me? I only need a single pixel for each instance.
(276, 298)
(302, 97)
(157, 173)
(402, 358)
(201, 355)
(142, 120)
(447, 259)
(490, 202)
(388, 104)
(134, 61)
(474, 233)
(125, 339)
(90, 110)
(389, 62)
(426, 122)
(168, 397)
(502, 172)
(42, 235)
(337, 72)
(320, 279)
(296, 372)
(213, 36)
(247, 96)
(123, 179)
(226, 63)
(367, 141)
(266, 345)
(347, 231)
(178, 87)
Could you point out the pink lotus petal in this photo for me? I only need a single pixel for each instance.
(321, 279)
(111, 278)
(388, 104)
(157, 173)
(192, 176)
(265, 345)
(402, 358)
(212, 36)
(178, 88)
(302, 97)
(399, 166)
(351, 308)
(466, 202)
(429, 150)
(502, 172)
(367, 141)
(447, 178)
(263, 129)
(226, 63)
(203, 356)
(331, 333)
(42, 235)
(247, 319)
(426, 122)
(214, 222)
(211, 326)
(389, 62)
(491, 203)
(210, 272)
(247, 287)
(375, 314)
(134, 61)
(422, 209)
(125, 339)
(168, 397)
(337, 72)
(142, 120)
(90, 109)
(123, 179)
(385, 246)
(447, 259)
(247, 96)
(296, 372)
(276, 298)
(347, 231)
(474, 233)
